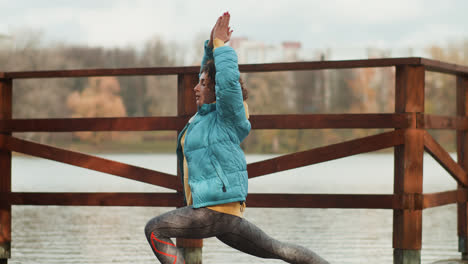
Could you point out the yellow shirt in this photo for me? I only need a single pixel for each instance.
(234, 208)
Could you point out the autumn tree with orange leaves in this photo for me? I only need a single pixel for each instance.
(100, 98)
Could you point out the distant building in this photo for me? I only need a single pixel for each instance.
(291, 51)
(250, 51)
(235, 43)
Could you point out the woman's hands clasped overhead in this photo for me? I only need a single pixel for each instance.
(221, 29)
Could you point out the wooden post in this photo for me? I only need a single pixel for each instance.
(462, 155)
(408, 171)
(5, 174)
(186, 106)
(192, 250)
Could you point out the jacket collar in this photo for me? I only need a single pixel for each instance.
(206, 108)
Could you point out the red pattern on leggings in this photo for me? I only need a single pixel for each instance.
(153, 237)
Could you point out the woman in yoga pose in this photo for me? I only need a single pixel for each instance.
(213, 166)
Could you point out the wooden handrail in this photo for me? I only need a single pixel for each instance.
(286, 121)
(443, 198)
(303, 121)
(444, 67)
(430, 65)
(170, 199)
(441, 122)
(94, 124)
(282, 200)
(319, 121)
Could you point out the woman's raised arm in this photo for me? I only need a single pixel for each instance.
(229, 100)
(209, 45)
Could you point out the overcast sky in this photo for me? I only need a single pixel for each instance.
(345, 26)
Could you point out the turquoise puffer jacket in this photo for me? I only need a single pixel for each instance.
(216, 163)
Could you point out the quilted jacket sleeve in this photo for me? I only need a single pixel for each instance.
(229, 101)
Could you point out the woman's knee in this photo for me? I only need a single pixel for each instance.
(151, 227)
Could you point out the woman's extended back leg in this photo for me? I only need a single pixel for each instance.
(248, 238)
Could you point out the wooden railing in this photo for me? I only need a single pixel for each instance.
(409, 140)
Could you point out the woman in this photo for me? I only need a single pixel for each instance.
(214, 167)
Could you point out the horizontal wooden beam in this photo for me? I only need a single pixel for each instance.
(441, 122)
(101, 72)
(91, 162)
(430, 65)
(264, 67)
(444, 198)
(94, 124)
(344, 201)
(444, 67)
(322, 154)
(323, 65)
(96, 199)
(267, 200)
(309, 121)
(319, 121)
(445, 160)
(375, 201)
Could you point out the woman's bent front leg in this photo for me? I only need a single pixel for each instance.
(185, 222)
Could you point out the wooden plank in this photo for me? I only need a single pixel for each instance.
(430, 65)
(319, 121)
(95, 199)
(322, 65)
(343, 201)
(462, 158)
(94, 124)
(268, 200)
(92, 162)
(322, 154)
(264, 67)
(407, 224)
(442, 122)
(408, 201)
(102, 72)
(444, 67)
(445, 160)
(444, 198)
(408, 162)
(310, 121)
(275, 200)
(186, 103)
(6, 89)
(409, 89)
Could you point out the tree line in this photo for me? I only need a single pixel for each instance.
(366, 90)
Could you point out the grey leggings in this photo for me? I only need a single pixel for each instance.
(234, 231)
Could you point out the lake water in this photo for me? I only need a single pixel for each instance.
(60, 234)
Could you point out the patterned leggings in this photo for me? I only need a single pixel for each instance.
(234, 231)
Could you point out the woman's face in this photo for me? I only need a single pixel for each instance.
(204, 91)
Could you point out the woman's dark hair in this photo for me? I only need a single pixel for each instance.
(210, 70)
